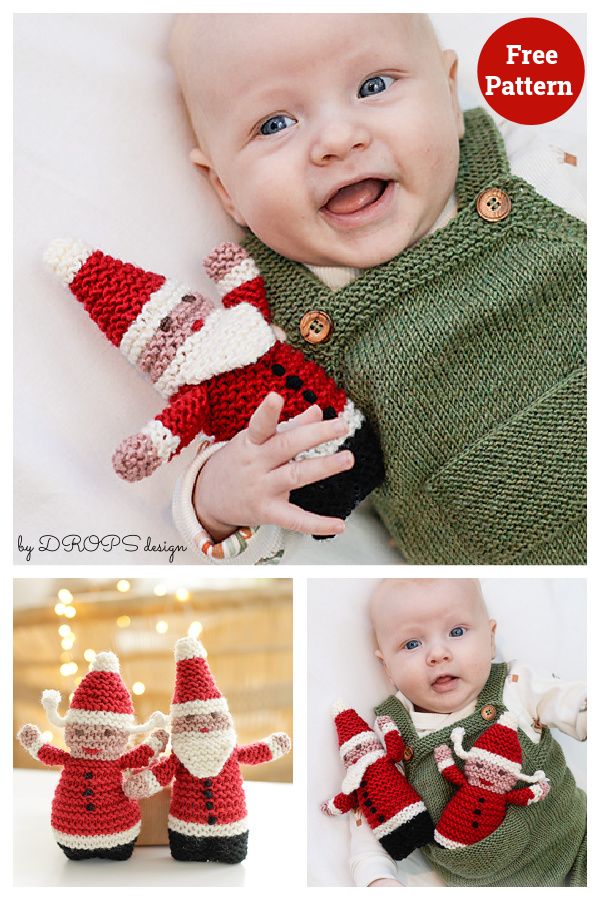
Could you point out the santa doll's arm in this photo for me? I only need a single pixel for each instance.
(152, 780)
(271, 747)
(146, 751)
(394, 742)
(237, 278)
(340, 804)
(446, 765)
(31, 739)
(527, 796)
(186, 416)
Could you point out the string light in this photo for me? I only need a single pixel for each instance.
(89, 655)
(195, 630)
(64, 630)
(160, 590)
(182, 594)
(138, 687)
(123, 622)
(123, 585)
(67, 643)
(70, 611)
(65, 595)
(59, 609)
(47, 736)
(162, 627)
(68, 668)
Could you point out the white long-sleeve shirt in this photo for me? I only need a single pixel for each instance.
(535, 700)
(554, 171)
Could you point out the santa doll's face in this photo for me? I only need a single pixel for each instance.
(203, 742)
(366, 746)
(95, 741)
(486, 774)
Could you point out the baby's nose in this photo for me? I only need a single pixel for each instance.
(439, 654)
(337, 140)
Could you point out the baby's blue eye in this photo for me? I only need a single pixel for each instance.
(276, 123)
(375, 85)
(412, 645)
(457, 632)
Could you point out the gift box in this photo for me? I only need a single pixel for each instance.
(154, 820)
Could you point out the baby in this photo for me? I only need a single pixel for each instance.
(436, 642)
(402, 254)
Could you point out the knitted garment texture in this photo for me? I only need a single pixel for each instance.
(375, 786)
(542, 845)
(467, 354)
(214, 365)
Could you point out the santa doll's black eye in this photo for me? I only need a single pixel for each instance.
(107, 732)
(501, 772)
(78, 732)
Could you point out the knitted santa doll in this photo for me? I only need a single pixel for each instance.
(207, 817)
(375, 785)
(213, 364)
(485, 789)
(91, 816)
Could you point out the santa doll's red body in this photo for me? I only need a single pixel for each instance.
(89, 800)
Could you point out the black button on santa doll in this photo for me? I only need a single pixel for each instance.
(91, 816)
(207, 816)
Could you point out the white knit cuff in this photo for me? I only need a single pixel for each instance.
(247, 546)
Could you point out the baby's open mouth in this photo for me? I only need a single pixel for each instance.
(354, 197)
(444, 683)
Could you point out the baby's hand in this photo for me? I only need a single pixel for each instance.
(248, 482)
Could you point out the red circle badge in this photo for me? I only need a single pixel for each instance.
(530, 71)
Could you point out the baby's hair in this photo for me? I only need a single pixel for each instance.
(399, 584)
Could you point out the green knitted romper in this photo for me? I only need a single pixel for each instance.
(542, 845)
(467, 353)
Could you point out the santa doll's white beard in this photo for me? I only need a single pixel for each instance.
(204, 755)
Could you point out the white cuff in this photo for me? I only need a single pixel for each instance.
(248, 546)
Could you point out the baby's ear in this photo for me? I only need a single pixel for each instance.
(451, 63)
(202, 161)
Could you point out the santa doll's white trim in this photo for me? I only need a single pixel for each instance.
(201, 829)
(401, 818)
(97, 841)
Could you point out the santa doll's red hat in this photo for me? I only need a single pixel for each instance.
(499, 744)
(101, 699)
(195, 690)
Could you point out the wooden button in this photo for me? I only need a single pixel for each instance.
(493, 205)
(315, 326)
(408, 754)
(488, 712)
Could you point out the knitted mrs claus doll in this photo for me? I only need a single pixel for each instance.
(213, 364)
(374, 785)
(207, 816)
(485, 788)
(91, 816)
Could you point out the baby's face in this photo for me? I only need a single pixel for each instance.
(435, 639)
(334, 138)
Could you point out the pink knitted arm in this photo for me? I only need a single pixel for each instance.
(394, 742)
(237, 277)
(269, 748)
(150, 781)
(186, 416)
(527, 796)
(340, 804)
